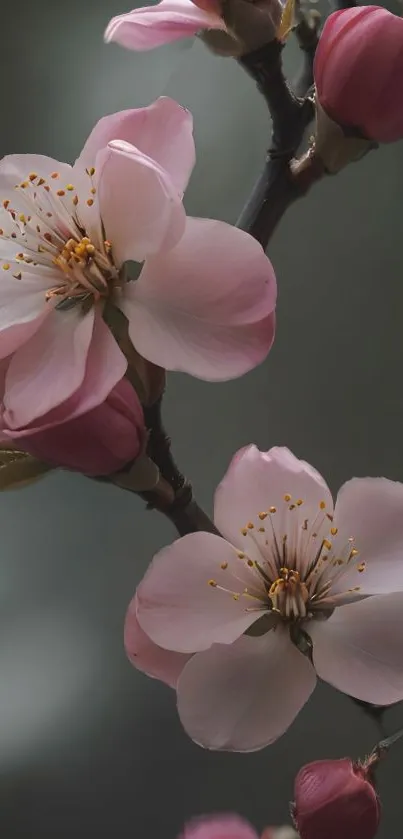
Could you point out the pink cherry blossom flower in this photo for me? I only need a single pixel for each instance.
(359, 71)
(203, 302)
(334, 799)
(231, 826)
(98, 442)
(253, 24)
(291, 573)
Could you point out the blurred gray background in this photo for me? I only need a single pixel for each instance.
(88, 746)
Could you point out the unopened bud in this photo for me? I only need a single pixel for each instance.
(335, 799)
(358, 72)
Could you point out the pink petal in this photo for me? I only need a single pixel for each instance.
(257, 480)
(23, 309)
(139, 205)
(359, 650)
(225, 826)
(162, 131)
(164, 665)
(106, 365)
(371, 511)
(206, 307)
(49, 368)
(180, 610)
(244, 696)
(152, 26)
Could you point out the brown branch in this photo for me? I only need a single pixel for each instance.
(291, 110)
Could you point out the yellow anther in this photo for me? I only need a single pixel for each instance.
(327, 544)
(90, 250)
(91, 171)
(5, 266)
(353, 553)
(250, 525)
(322, 505)
(299, 502)
(272, 509)
(22, 218)
(235, 596)
(24, 184)
(287, 497)
(240, 555)
(212, 583)
(70, 188)
(244, 531)
(262, 516)
(333, 531)
(224, 565)
(93, 190)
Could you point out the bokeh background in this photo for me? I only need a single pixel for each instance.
(89, 747)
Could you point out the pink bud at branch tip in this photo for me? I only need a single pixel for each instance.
(99, 442)
(335, 799)
(358, 71)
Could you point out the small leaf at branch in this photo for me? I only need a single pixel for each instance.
(18, 469)
(287, 20)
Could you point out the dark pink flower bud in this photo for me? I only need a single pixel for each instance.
(99, 442)
(359, 71)
(335, 799)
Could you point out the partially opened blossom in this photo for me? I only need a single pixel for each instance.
(359, 71)
(334, 799)
(202, 303)
(247, 26)
(292, 573)
(98, 442)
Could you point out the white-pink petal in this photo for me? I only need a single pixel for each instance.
(359, 650)
(146, 656)
(139, 205)
(370, 510)
(162, 131)
(181, 610)
(256, 481)
(244, 696)
(48, 368)
(207, 306)
(152, 26)
(105, 367)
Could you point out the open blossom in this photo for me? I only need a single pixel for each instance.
(359, 71)
(203, 302)
(98, 442)
(334, 799)
(249, 25)
(291, 573)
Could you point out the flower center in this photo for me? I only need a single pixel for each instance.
(52, 234)
(292, 565)
(289, 595)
